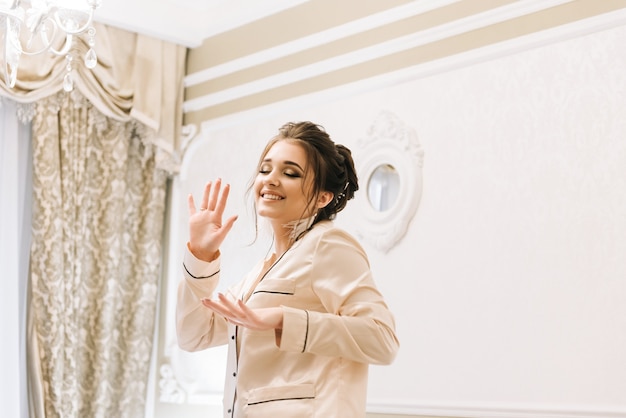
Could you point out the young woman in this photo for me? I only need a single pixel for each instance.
(305, 323)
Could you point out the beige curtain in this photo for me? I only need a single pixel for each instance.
(101, 158)
(137, 78)
(99, 203)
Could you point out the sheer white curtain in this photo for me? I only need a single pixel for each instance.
(15, 225)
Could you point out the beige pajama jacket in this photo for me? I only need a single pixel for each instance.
(335, 323)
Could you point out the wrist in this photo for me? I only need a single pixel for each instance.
(203, 255)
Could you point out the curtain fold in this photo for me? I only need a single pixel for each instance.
(137, 78)
(98, 216)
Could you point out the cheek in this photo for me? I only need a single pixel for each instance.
(257, 186)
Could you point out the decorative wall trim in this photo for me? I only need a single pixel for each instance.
(169, 389)
(437, 33)
(477, 410)
(317, 39)
(538, 39)
(179, 379)
(188, 134)
(389, 143)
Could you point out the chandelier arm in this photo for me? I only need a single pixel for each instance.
(47, 42)
(78, 30)
(66, 46)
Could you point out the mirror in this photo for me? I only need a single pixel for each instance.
(383, 187)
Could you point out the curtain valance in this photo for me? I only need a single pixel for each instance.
(137, 77)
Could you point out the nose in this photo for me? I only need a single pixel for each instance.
(271, 179)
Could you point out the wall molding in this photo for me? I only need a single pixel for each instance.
(494, 51)
(389, 142)
(487, 410)
(419, 38)
(317, 39)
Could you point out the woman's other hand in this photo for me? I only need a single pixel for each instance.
(206, 229)
(238, 313)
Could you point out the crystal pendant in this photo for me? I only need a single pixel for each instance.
(68, 83)
(91, 59)
(11, 75)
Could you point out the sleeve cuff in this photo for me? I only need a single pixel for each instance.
(295, 330)
(198, 269)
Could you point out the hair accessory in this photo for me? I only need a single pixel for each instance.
(343, 193)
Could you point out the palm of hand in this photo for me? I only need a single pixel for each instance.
(239, 314)
(206, 230)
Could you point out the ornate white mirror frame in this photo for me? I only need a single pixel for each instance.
(389, 165)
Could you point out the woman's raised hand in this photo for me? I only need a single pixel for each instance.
(206, 229)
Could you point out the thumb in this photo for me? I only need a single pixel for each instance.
(226, 226)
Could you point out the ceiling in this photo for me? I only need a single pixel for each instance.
(194, 20)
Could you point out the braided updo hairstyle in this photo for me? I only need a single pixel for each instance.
(331, 165)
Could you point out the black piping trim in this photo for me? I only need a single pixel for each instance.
(199, 277)
(274, 293)
(306, 335)
(282, 399)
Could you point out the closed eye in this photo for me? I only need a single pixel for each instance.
(287, 173)
(289, 168)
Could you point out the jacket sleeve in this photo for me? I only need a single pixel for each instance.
(197, 327)
(355, 323)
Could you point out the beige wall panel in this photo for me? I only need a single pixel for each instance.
(566, 13)
(346, 45)
(308, 18)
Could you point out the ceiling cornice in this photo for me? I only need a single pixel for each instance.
(447, 30)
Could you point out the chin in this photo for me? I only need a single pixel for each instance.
(265, 213)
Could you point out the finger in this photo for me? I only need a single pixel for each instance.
(244, 315)
(214, 195)
(226, 227)
(228, 304)
(221, 203)
(218, 308)
(251, 315)
(243, 308)
(205, 196)
(223, 306)
(191, 204)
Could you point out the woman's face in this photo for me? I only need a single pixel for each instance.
(281, 192)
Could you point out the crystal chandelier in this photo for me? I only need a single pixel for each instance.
(33, 27)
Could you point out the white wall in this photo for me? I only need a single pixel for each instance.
(509, 285)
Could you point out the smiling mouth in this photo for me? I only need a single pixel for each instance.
(269, 196)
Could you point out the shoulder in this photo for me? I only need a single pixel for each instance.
(326, 235)
(328, 229)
